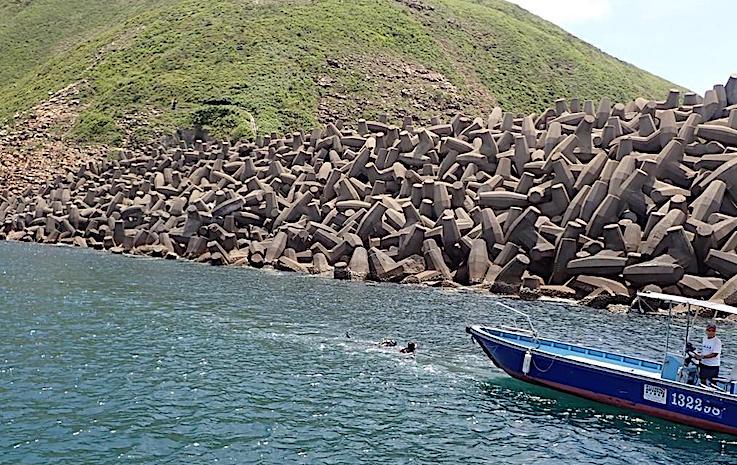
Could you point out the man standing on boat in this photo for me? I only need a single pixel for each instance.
(711, 348)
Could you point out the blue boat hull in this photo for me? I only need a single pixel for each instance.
(666, 399)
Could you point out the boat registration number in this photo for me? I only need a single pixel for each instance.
(694, 403)
(659, 395)
(655, 394)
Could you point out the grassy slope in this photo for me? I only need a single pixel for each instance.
(231, 63)
(527, 61)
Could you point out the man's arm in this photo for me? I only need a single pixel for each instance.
(717, 350)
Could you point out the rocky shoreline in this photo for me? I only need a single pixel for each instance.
(587, 201)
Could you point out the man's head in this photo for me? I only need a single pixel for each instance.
(711, 330)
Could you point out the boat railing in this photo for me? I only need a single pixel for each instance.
(516, 329)
(532, 329)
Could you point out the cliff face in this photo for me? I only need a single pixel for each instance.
(241, 67)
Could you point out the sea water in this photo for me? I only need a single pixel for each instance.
(107, 359)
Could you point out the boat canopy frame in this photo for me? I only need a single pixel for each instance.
(688, 301)
(720, 307)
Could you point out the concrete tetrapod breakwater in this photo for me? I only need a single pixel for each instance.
(587, 200)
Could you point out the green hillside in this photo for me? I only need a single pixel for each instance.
(240, 65)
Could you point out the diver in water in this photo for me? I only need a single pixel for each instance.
(387, 343)
(410, 349)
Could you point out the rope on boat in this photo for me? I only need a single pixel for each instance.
(552, 362)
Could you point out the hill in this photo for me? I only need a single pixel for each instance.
(240, 66)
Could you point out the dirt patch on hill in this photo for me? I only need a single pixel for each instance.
(34, 150)
(387, 86)
(417, 5)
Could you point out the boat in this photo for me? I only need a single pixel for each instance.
(669, 389)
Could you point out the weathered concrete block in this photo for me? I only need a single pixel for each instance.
(730, 89)
(434, 259)
(522, 230)
(586, 284)
(723, 262)
(726, 173)
(411, 241)
(451, 233)
(709, 201)
(606, 213)
(371, 220)
(341, 271)
(478, 262)
(658, 271)
(381, 266)
(491, 230)
(565, 252)
(727, 293)
(660, 229)
(613, 238)
(597, 265)
(228, 206)
(423, 277)
(511, 273)
(502, 199)
(697, 287)
(196, 246)
(502, 254)
(288, 264)
(359, 264)
(276, 247)
(591, 172)
(677, 245)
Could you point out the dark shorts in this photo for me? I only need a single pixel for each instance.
(707, 372)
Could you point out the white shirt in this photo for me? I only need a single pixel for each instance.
(710, 346)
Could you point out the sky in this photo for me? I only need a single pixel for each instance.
(692, 43)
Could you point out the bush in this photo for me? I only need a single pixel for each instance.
(229, 121)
